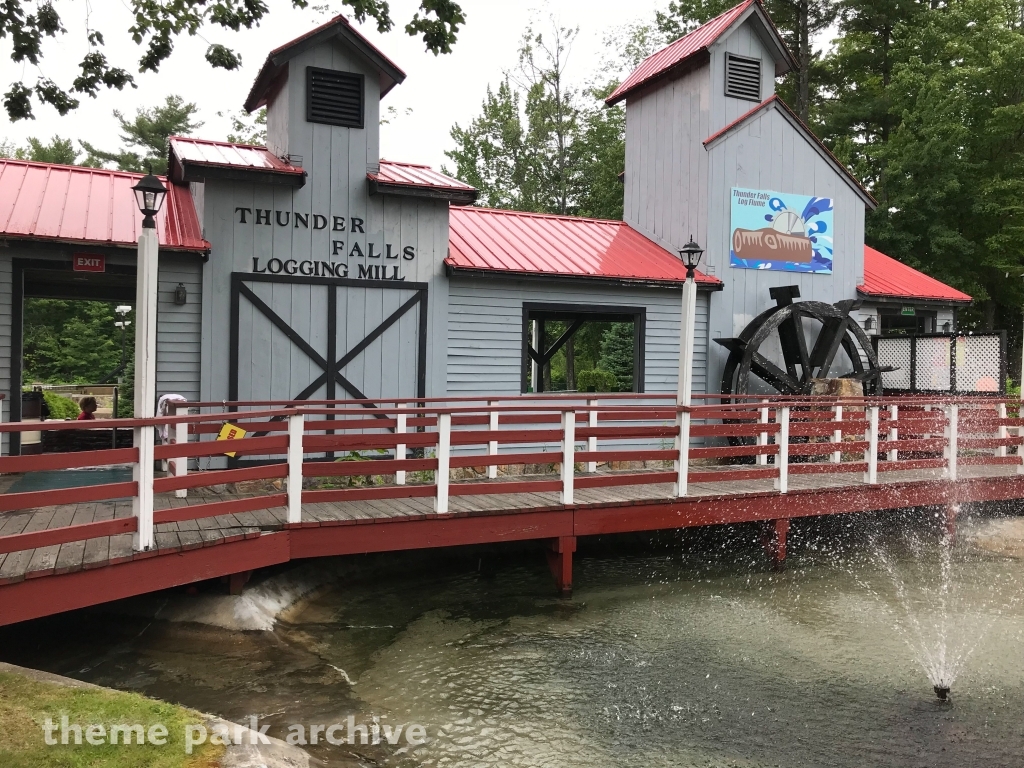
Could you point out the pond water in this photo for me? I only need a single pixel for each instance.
(678, 650)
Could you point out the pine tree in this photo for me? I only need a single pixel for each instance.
(617, 355)
(148, 132)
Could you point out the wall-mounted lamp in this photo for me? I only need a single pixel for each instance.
(180, 295)
(869, 323)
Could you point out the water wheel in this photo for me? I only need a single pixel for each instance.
(784, 348)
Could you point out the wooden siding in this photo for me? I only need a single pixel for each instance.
(9, 388)
(769, 153)
(179, 328)
(742, 41)
(336, 161)
(486, 331)
(666, 181)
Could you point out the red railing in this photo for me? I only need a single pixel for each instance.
(546, 443)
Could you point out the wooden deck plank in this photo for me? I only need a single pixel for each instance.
(44, 559)
(15, 565)
(71, 554)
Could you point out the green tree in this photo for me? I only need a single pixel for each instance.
(857, 115)
(952, 171)
(58, 150)
(248, 129)
(71, 342)
(617, 354)
(157, 25)
(146, 136)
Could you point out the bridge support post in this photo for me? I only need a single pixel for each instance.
(237, 582)
(952, 512)
(559, 554)
(782, 457)
(775, 534)
(952, 419)
(683, 456)
(492, 445)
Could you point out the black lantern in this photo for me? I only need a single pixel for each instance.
(180, 295)
(149, 195)
(690, 254)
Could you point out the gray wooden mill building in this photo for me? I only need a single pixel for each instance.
(311, 268)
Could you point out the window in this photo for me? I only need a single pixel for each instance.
(742, 77)
(334, 98)
(579, 348)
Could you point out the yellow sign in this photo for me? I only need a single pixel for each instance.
(231, 432)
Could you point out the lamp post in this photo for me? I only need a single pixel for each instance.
(149, 195)
(690, 255)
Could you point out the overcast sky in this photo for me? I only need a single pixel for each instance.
(439, 90)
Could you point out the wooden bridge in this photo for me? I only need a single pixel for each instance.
(345, 477)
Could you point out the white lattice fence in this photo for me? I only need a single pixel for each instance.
(954, 364)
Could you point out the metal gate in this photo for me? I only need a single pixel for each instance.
(300, 338)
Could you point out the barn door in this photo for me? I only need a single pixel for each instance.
(299, 338)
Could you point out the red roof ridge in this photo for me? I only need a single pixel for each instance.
(539, 215)
(740, 119)
(406, 164)
(695, 41)
(87, 168)
(198, 140)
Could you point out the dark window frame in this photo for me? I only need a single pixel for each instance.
(310, 71)
(729, 57)
(593, 313)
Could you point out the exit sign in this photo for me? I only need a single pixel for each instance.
(88, 262)
(907, 311)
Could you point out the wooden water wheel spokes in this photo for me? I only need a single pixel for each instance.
(816, 341)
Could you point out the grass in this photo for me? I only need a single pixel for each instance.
(25, 704)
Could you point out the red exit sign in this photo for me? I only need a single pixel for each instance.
(88, 262)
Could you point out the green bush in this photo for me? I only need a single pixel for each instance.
(595, 380)
(617, 355)
(61, 407)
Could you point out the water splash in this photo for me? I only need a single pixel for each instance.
(932, 603)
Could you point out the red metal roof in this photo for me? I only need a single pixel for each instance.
(888, 278)
(688, 46)
(42, 201)
(512, 242)
(223, 154)
(392, 172)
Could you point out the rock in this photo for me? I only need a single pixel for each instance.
(1003, 536)
(837, 388)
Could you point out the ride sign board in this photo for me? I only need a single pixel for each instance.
(780, 231)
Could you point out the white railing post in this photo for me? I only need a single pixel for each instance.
(296, 426)
(492, 445)
(1002, 433)
(444, 456)
(762, 439)
(568, 455)
(683, 454)
(782, 458)
(592, 440)
(401, 423)
(142, 474)
(894, 433)
(952, 420)
(837, 435)
(871, 453)
(181, 463)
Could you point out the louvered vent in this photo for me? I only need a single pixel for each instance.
(334, 98)
(742, 78)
